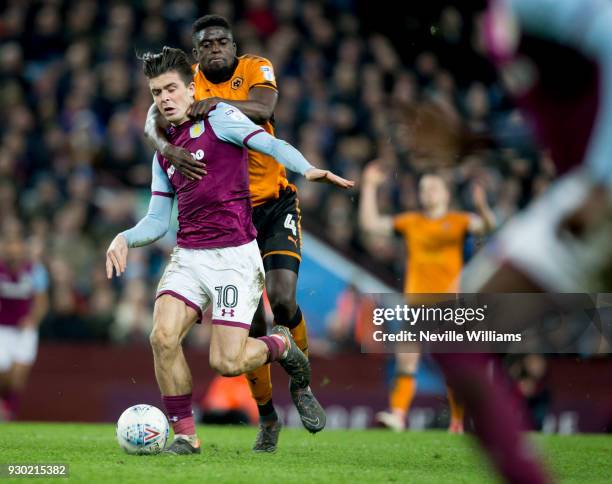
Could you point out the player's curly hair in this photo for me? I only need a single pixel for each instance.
(169, 59)
(210, 21)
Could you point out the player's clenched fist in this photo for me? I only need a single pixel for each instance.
(116, 256)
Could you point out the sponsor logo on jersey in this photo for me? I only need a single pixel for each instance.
(196, 130)
(268, 73)
(198, 155)
(235, 114)
(237, 82)
(227, 312)
(170, 171)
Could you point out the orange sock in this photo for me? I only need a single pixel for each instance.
(260, 384)
(457, 409)
(402, 393)
(301, 336)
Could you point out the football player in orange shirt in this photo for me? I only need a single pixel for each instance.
(248, 82)
(434, 240)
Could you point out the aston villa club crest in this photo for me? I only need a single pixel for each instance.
(237, 82)
(197, 129)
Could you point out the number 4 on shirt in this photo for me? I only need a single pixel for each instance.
(290, 224)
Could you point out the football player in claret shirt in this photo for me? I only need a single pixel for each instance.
(248, 83)
(216, 261)
(434, 238)
(23, 304)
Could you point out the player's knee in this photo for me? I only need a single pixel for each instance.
(225, 366)
(164, 339)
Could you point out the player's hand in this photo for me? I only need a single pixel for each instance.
(373, 174)
(326, 176)
(182, 160)
(200, 109)
(479, 195)
(116, 256)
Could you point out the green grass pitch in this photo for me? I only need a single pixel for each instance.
(333, 456)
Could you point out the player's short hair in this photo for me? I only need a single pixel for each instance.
(169, 59)
(210, 21)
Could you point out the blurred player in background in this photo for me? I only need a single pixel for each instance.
(248, 83)
(435, 238)
(23, 304)
(556, 61)
(555, 58)
(216, 260)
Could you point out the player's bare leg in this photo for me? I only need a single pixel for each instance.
(233, 352)
(260, 384)
(4, 389)
(404, 388)
(496, 412)
(172, 321)
(281, 289)
(16, 380)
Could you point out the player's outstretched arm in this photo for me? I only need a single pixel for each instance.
(293, 160)
(231, 125)
(484, 222)
(155, 133)
(370, 219)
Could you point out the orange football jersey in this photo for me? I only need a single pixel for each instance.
(435, 250)
(266, 175)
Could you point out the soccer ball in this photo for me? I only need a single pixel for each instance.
(142, 429)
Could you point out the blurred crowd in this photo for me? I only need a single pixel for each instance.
(74, 165)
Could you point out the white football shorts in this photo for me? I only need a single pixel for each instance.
(231, 279)
(535, 243)
(17, 345)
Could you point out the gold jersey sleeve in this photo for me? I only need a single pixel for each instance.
(267, 177)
